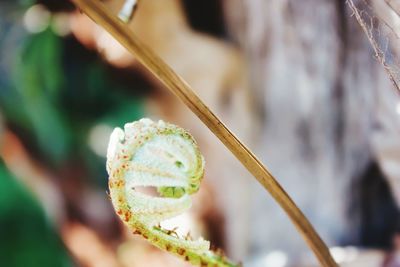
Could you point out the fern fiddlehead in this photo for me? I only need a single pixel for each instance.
(161, 155)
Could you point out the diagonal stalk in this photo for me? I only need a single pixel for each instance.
(99, 14)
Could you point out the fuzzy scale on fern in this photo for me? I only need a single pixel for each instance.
(161, 155)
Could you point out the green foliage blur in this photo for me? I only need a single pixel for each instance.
(57, 101)
(53, 92)
(26, 236)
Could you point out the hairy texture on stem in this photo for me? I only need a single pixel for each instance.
(161, 155)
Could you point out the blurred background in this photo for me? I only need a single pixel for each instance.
(298, 81)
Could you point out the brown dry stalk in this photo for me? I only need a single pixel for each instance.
(99, 14)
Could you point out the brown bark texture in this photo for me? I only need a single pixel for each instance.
(326, 109)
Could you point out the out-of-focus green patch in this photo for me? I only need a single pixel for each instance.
(38, 80)
(53, 91)
(26, 237)
(58, 92)
(127, 111)
(26, 3)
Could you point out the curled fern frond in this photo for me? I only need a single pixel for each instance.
(164, 156)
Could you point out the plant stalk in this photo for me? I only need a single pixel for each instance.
(121, 32)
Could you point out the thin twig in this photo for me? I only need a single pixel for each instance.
(395, 5)
(378, 53)
(98, 13)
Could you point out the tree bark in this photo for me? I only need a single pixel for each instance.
(323, 101)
